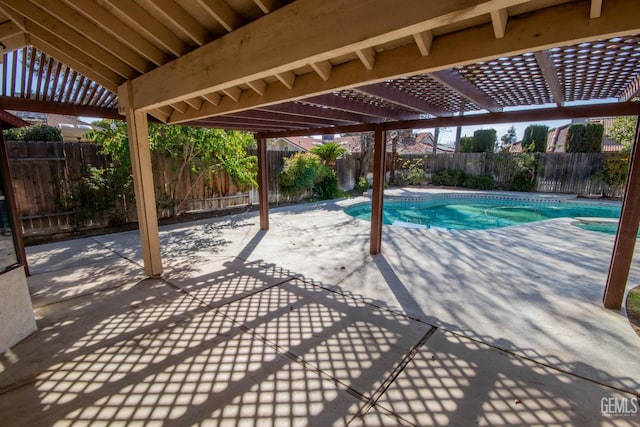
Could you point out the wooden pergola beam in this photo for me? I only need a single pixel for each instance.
(241, 56)
(307, 110)
(403, 98)
(631, 91)
(119, 30)
(456, 82)
(541, 30)
(581, 111)
(355, 106)
(55, 107)
(284, 118)
(550, 74)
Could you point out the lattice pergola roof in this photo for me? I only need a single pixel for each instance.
(194, 61)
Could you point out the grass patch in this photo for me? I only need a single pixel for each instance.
(633, 308)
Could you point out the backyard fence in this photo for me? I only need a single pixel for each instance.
(571, 173)
(44, 172)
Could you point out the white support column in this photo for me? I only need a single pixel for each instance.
(142, 182)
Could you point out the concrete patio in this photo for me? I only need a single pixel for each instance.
(300, 326)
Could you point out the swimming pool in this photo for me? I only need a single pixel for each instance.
(480, 214)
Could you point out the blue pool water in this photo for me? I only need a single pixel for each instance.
(481, 215)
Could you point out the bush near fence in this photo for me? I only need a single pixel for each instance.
(43, 171)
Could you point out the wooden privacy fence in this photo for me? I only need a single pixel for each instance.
(572, 173)
(43, 172)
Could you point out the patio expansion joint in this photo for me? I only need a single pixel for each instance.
(539, 363)
(116, 253)
(396, 372)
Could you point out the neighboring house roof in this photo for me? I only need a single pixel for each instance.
(304, 142)
(516, 147)
(421, 144)
(9, 120)
(351, 143)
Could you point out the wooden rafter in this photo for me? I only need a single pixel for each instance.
(20, 104)
(259, 86)
(563, 25)
(222, 13)
(355, 106)
(138, 17)
(596, 9)
(306, 110)
(367, 56)
(323, 69)
(71, 56)
(119, 30)
(284, 118)
(75, 20)
(195, 103)
(262, 124)
(45, 26)
(453, 80)
(267, 6)
(263, 56)
(400, 97)
(557, 113)
(287, 78)
(423, 41)
(499, 20)
(550, 74)
(233, 92)
(187, 23)
(631, 91)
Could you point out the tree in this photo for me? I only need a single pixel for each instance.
(466, 144)
(534, 139)
(623, 132)
(201, 150)
(484, 140)
(508, 139)
(366, 149)
(584, 138)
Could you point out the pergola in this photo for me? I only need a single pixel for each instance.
(304, 67)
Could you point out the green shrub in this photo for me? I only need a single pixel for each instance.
(480, 182)
(484, 140)
(42, 133)
(534, 139)
(584, 138)
(362, 185)
(411, 173)
(449, 177)
(14, 134)
(300, 173)
(523, 181)
(326, 186)
(466, 144)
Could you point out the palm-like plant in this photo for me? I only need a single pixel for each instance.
(329, 152)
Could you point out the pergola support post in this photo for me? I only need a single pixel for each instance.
(377, 195)
(627, 231)
(143, 183)
(263, 181)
